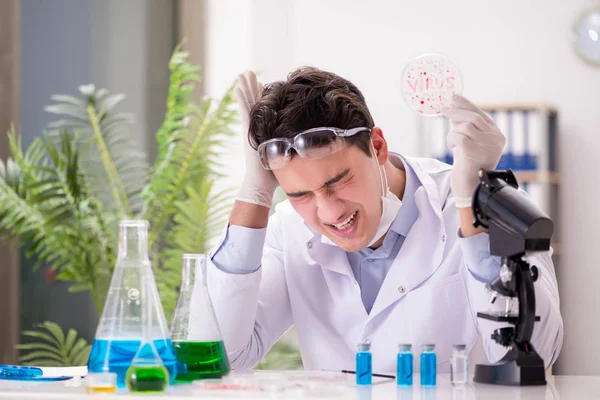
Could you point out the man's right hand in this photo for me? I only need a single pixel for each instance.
(259, 184)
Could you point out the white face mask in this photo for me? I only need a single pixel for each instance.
(390, 203)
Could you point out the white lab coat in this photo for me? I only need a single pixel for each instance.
(428, 295)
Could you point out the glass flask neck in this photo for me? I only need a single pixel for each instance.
(143, 356)
(192, 269)
(133, 240)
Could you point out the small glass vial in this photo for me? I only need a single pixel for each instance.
(404, 367)
(100, 382)
(364, 359)
(428, 365)
(459, 365)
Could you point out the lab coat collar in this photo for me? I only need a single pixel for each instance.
(423, 249)
(326, 253)
(408, 213)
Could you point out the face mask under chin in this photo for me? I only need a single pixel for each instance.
(390, 203)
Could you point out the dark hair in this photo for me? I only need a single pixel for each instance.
(310, 98)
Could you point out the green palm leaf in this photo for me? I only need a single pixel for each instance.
(189, 143)
(197, 219)
(79, 353)
(54, 212)
(180, 200)
(52, 348)
(110, 156)
(40, 354)
(64, 196)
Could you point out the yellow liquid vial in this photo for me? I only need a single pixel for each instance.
(101, 382)
(101, 389)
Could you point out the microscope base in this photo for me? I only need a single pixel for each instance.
(513, 370)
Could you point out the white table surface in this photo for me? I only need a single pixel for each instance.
(558, 387)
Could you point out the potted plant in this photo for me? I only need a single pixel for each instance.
(65, 194)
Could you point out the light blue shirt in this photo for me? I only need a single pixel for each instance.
(240, 251)
(371, 266)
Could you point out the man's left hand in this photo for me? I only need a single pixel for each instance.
(476, 142)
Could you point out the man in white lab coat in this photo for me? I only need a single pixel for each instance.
(370, 245)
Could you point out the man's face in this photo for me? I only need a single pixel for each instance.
(339, 195)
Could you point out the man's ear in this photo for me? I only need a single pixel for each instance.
(380, 145)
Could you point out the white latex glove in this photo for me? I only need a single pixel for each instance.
(476, 142)
(259, 184)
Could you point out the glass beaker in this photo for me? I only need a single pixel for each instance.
(195, 332)
(119, 333)
(147, 374)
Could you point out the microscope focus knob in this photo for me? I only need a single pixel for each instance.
(504, 336)
(535, 273)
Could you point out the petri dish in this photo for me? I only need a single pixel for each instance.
(319, 376)
(237, 387)
(428, 83)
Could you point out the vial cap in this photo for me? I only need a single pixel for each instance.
(460, 346)
(364, 346)
(404, 347)
(428, 347)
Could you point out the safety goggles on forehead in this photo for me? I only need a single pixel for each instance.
(313, 143)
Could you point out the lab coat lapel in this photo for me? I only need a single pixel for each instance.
(325, 253)
(338, 275)
(331, 258)
(422, 250)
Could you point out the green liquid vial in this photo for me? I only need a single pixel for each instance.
(200, 360)
(147, 379)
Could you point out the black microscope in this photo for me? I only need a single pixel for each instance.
(516, 226)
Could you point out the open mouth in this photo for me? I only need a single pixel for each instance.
(347, 227)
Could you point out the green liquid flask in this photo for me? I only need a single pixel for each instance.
(147, 379)
(147, 374)
(198, 360)
(195, 333)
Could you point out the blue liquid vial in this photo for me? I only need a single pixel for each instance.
(364, 361)
(428, 365)
(404, 366)
(116, 356)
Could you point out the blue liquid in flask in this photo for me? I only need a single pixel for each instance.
(120, 353)
(132, 311)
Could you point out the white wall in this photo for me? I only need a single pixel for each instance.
(509, 51)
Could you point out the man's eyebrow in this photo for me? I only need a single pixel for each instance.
(337, 178)
(297, 194)
(330, 182)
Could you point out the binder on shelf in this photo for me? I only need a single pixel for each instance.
(518, 145)
(530, 140)
(530, 137)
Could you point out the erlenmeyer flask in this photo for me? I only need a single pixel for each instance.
(119, 333)
(147, 374)
(196, 335)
